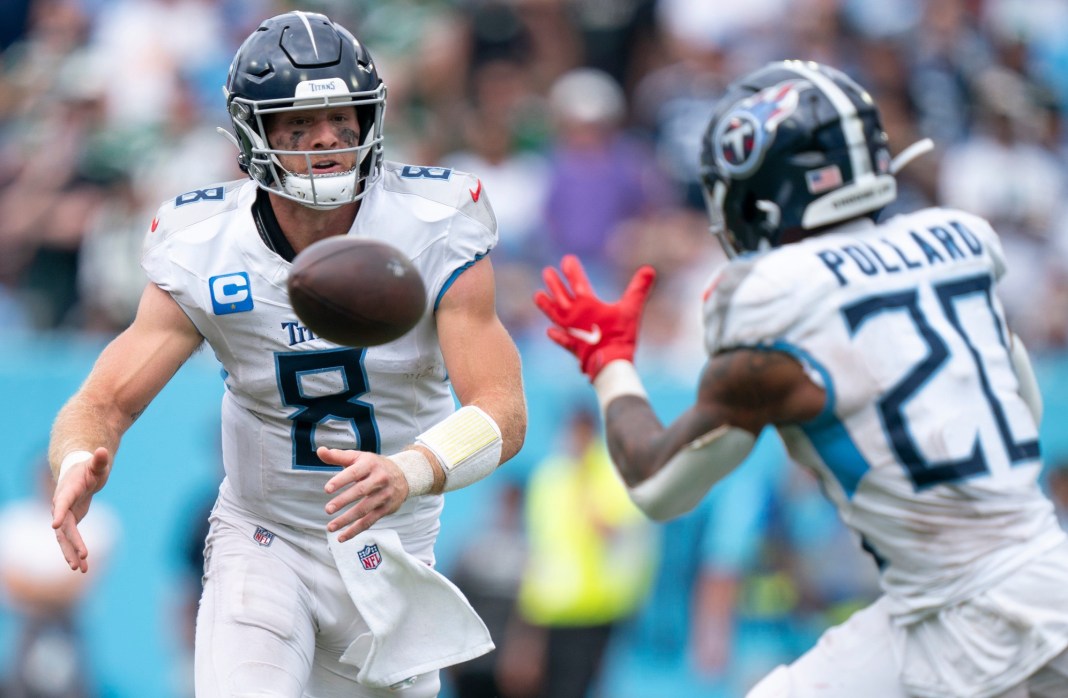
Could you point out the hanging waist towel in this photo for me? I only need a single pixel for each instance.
(419, 621)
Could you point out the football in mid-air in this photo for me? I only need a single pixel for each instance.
(355, 291)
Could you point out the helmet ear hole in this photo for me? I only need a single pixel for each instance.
(750, 213)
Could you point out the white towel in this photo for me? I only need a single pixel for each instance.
(419, 621)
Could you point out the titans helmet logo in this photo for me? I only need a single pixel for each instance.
(744, 134)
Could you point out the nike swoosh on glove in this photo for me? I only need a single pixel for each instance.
(594, 331)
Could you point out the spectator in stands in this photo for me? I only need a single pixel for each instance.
(600, 176)
(591, 560)
(51, 657)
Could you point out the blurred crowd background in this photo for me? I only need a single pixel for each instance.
(583, 118)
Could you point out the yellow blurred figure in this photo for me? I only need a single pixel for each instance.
(592, 556)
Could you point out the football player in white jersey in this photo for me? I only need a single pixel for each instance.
(880, 352)
(318, 572)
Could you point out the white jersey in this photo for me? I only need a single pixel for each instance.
(288, 391)
(925, 446)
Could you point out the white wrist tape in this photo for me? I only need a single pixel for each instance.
(468, 445)
(70, 460)
(616, 379)
(417, 471)
(678, 486)
(1025, 375)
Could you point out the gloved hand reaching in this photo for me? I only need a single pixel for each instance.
(594, 331)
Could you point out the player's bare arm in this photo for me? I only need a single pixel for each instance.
(481, 357)
(744, 388)
(668, 470)
(129, 373)
(372, 486)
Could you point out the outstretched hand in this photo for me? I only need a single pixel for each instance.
(70, 503)
(594, 331)
(369, 487)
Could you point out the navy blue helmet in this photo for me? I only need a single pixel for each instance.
(793, 148)
(296, 61)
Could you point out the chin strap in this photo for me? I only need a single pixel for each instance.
(920, 147)
(229, 136)
(241, 157)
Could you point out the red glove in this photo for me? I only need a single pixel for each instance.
(594, 331)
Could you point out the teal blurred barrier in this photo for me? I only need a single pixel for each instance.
(164, 465)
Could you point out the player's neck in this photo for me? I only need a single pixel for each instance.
(303, 225)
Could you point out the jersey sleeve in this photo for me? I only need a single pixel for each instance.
(753, 302)
(472, 234)
(194, 209)
(990, 240)
(154, 254)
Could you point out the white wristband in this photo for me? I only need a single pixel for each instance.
(616, 379)
(417, 471)
(467, 444)
(70, 460)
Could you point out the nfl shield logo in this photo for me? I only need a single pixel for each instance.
(370, 557)
(263, 536)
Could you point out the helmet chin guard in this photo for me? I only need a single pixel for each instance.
(325, 191)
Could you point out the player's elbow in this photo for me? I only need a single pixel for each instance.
(515, 431)
(660, 508)
(680, 483)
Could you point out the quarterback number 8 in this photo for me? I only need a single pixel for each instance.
(293, 368)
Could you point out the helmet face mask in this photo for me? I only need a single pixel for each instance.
(793, 148)
(299, 62)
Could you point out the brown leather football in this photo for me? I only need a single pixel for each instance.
(355, 291)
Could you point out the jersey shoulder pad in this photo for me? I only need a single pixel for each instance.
(192, 207)
(755, 300)
(988, 237)
(936, 215)
(447, 186)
